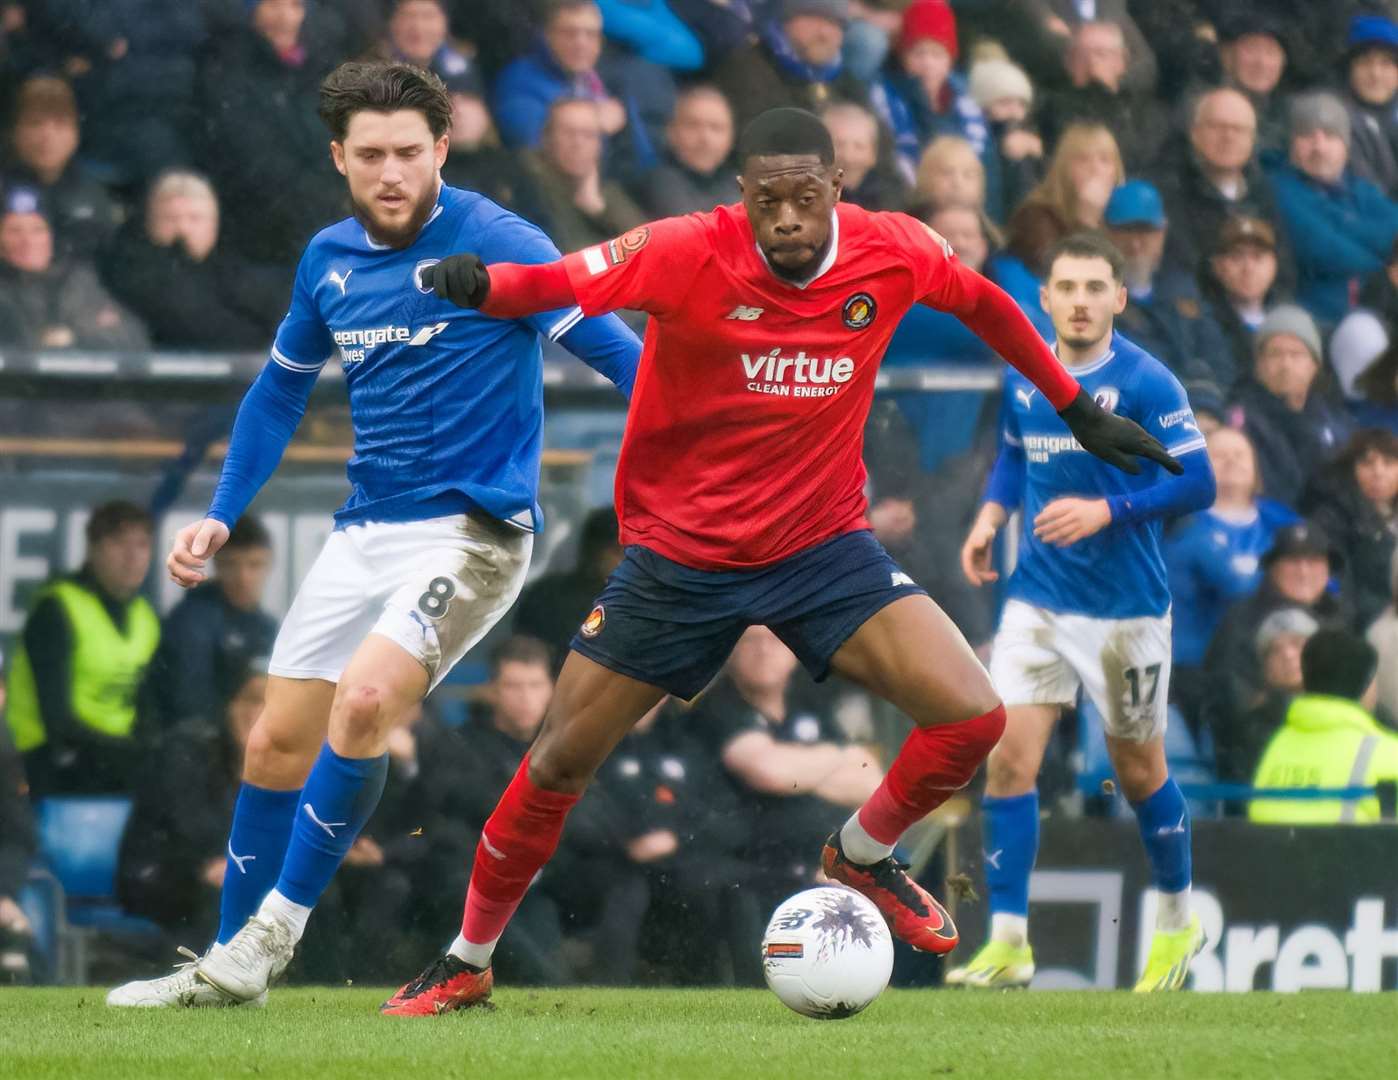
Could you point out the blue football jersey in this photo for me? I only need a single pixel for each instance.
(446, 403)
(1119, 573)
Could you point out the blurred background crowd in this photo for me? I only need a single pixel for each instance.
(163, 167)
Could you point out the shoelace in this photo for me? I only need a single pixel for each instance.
(440, 970)
(891, 874)
(259, 937)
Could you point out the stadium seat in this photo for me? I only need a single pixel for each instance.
(41, 899)
(79, 841)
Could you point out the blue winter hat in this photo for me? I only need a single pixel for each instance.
(1135, 203)
(1372, 31)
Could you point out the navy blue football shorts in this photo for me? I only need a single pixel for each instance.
(673, 626)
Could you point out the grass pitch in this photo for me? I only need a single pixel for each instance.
(306, 1034)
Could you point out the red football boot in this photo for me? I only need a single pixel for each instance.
(913, 914)
(447, 984)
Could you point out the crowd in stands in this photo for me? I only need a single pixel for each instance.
(165, 165)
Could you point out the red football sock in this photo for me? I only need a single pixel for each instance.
(519, 838)
(934, 763)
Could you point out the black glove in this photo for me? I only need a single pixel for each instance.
(1115, 439)
(462, 279)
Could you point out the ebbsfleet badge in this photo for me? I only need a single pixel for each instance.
(859, 311)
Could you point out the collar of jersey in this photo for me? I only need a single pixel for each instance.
(825, 263)
(1096, 365)
(436, 213)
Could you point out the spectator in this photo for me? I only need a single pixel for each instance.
(920, 96)
(1286, 412)
(634, 98)
(654, 32)
(1238, 746)
(45, 143)
(1097, 65)
(83, 651)
(264, 144)
(1295, 573)
(1085, 170)
(1342, 227)
(1380, 292)
(1216, 178)
(1330, 740)
(1005, 95)
(48, 301)
(1382, 634)
(1213, 558)
(796, 62)
(17, 844)
(1355, 346)
(172, 854)
(1377, 392)
(795, 773)
(1253, 53)
(208, 637)
(476, 160)
(135, 63)
(1163, 312)
(695, 173)
(191, 290)
(1061, 19)
(552, 608)
(868, 181)
(579, 207)
(950, 174)
(1355, 500)
(1372, 100)
(1241, 281)
(417, 33)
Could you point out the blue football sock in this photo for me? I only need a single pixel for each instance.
(337, 800)
(1011, 846)
(257, 842)
(1164, 822)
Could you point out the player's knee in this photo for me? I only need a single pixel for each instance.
(358, 714)
(1138, 775)
(976, 699)
(553, 769)
(277, 755)
(1009, 770)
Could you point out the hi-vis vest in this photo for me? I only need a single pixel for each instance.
(105, 666)
(1326, 742)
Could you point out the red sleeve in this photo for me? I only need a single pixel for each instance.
(946, 284)
(520, 289)
(647, 269)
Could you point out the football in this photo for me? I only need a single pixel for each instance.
(827, 953)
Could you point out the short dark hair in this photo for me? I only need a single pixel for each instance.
(1088, 245)
(112, 517)
(553, 8)
(520, 649)
(248, 533)
(383, 87)
(786, 131)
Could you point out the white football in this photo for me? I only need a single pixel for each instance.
(827, 953)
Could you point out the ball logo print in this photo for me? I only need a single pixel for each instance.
(827, 953)
(859, 311)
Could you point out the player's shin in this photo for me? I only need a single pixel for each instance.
(518, 839)
(1011, 846)
(934, 763)
(1163, 818)
(257, 843)
(340, 795)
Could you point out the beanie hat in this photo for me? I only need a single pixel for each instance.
(1289, 319)
(1291, 620)
(929, 20)
(836, 11)
(1338, 663)
(1319, 110)
(1354, 346)
(993, 80)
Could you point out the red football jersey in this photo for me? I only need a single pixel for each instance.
(744, 442)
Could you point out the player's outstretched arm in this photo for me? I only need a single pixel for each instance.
(502, 290)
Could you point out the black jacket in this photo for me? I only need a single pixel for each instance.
(1364, 538)
(1290, 445)
(83, 213)
(671, 188)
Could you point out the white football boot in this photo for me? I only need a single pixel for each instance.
(246, 965)
(181, 989)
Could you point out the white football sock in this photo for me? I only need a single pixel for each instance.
(1172, 912)
(468, 952)
(292, 915)
(859, 846)
(1013, 930)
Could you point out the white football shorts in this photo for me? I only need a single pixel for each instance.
(1042, 657)
(435, 587)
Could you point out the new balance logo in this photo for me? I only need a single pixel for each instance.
(238, 860)
(901, 578)
(745, 314)
(1025, 396)
(340, 280)
(328, 826)
(491, 849)
(992, 858)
